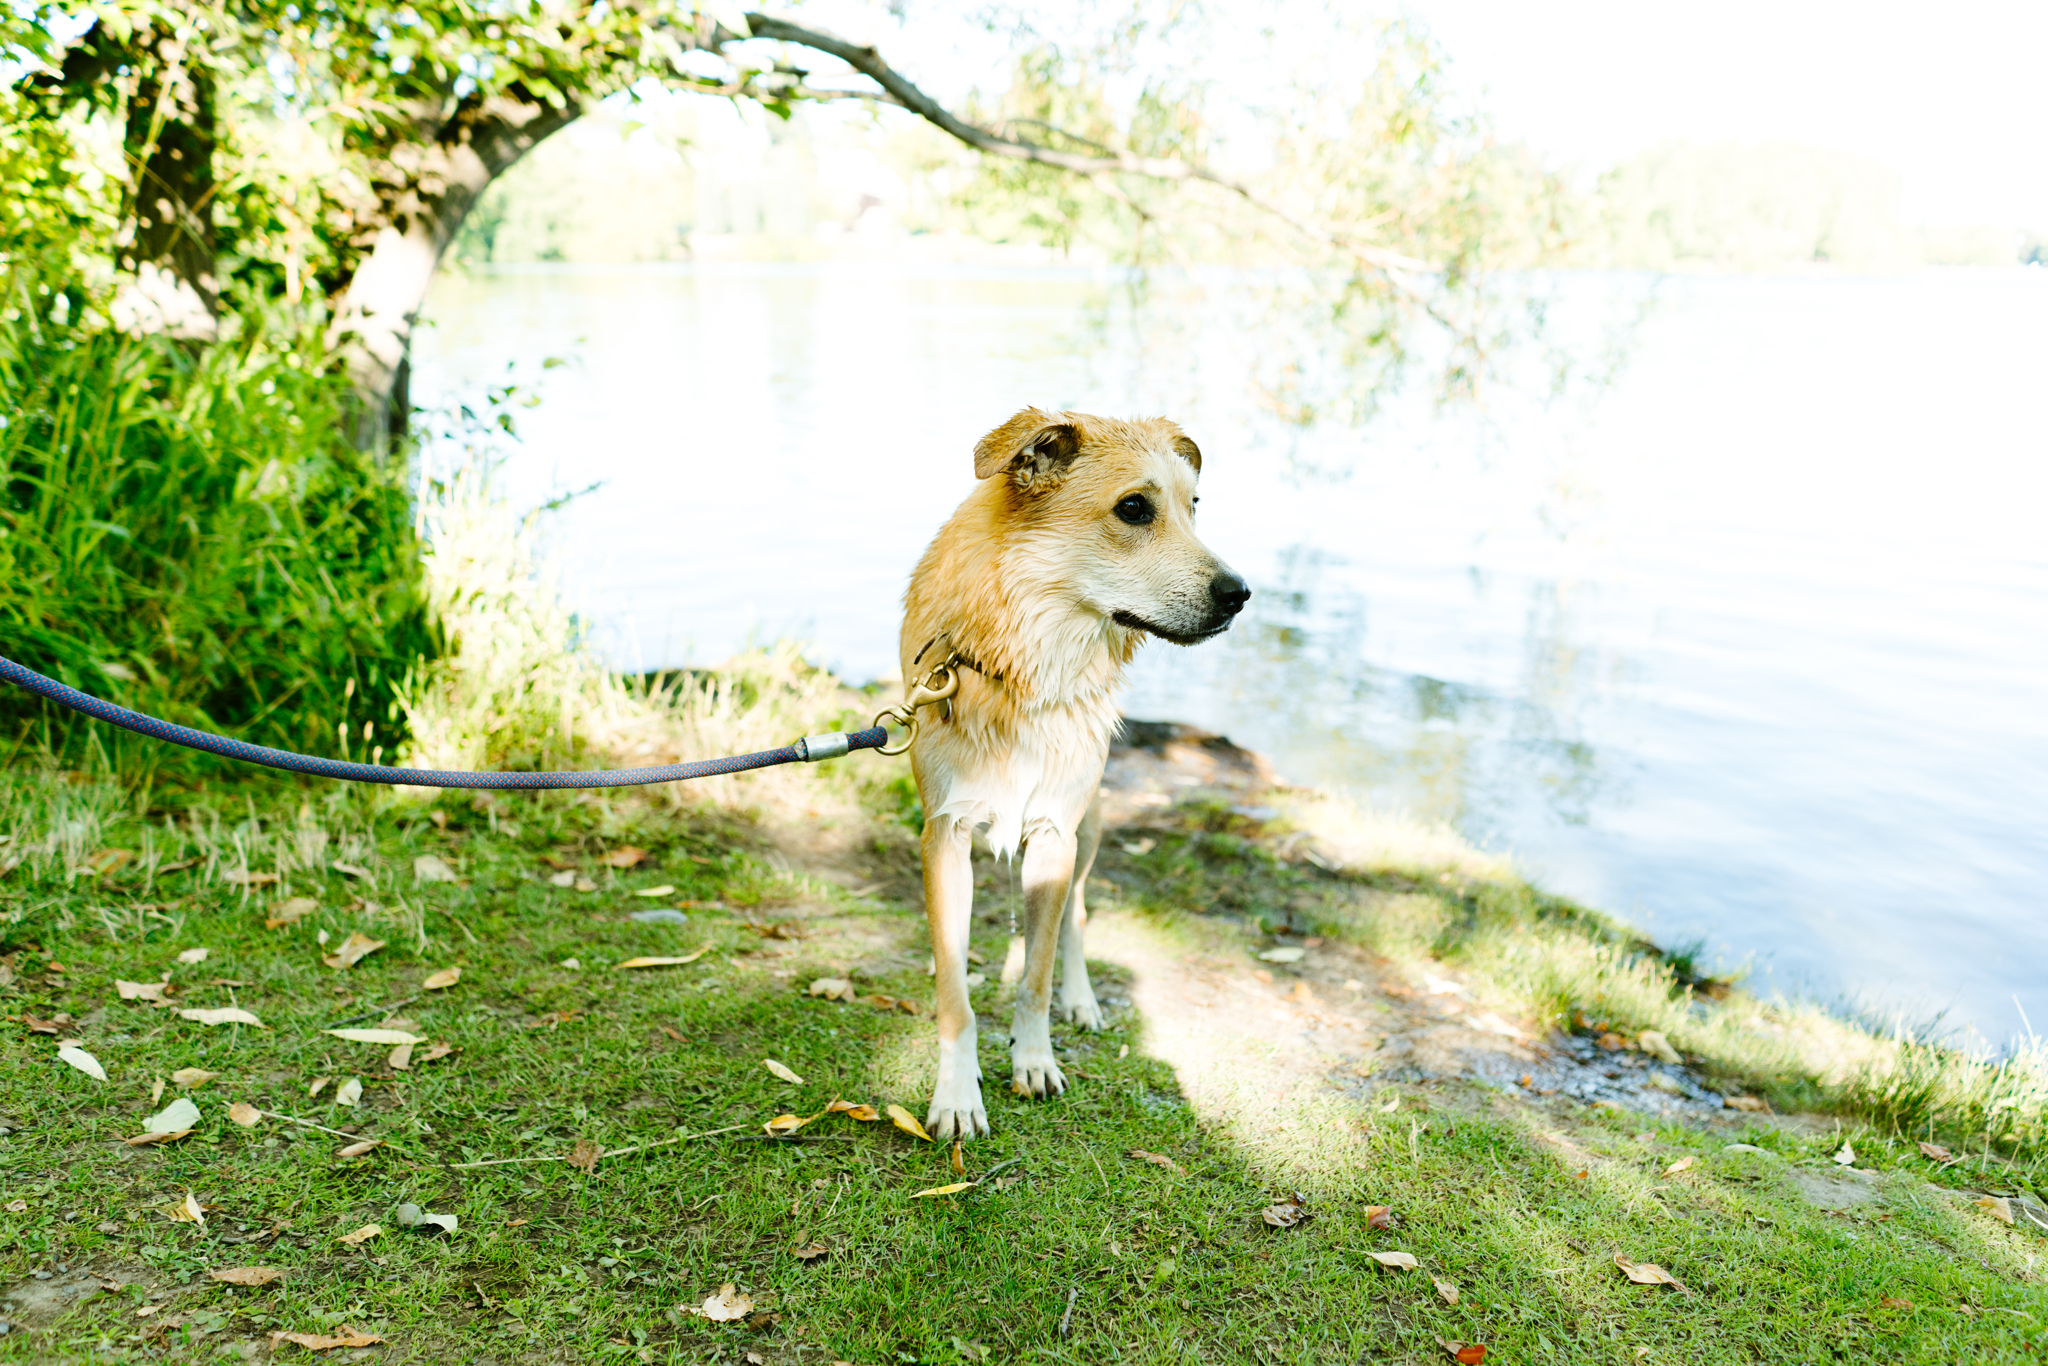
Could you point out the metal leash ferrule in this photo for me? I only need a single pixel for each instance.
(937, 686)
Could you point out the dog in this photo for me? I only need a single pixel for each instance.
(1078, 542)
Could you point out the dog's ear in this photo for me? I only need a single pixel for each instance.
(1043, 440)
(1189, 452)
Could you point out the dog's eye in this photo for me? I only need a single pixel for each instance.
(1135, 510)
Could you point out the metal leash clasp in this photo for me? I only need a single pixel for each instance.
(937, 686)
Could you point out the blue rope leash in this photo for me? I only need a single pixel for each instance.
(810, 749)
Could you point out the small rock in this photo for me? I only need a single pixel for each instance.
(409, 1216)
(664, 916)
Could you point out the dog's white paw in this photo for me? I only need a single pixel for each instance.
(1033, 1072)
(956, 1109)
(1081, 1009)
(947, 1122)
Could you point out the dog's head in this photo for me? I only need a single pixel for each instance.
(1106, 508)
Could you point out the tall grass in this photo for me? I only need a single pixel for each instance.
(187, 532)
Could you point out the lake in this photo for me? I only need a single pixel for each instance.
(1748, 645)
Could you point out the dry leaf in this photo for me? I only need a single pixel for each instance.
(1379, 1216)
(37, 1026)
(584, 884)
(248, 1275)
(194, 955)
(358, 1149)
(1894, 1302)
(349, 1092)
(400, 1058)
(442, 980)
(156, 1090)
(953, 1189)
(690, 957)
(244, 1114)
(809, 1254)
(564, 879)
(383, 1036)
(189, 1212)
(362, 1235)
(865, 1113)
(141, 991)
(1465, 1353)
(959, 1163)
(1287, 1213)
(1283, 955)
(193, 1076)
(1647, 1273)
(1935, 1151)
(651, 892)
(787, 1124)
(83, 1061)
(1749, 1103)
(907, 1122)
(316, 1342)
(222, 1015)
(433, 868)
(1158, 1160)
(16, 1207)
(781, 1070)
(583, 1157)
(110, 860)
(625, 856)
(1654, 1043)
(319, 1084)
(1997, 1206)
(179, 1114)
(1395, 1261)
(1682, 1164)
(159, 1136)
(1846, 1157)
(727, 1305)
(434, 1051)
(353, 950)
(1445, 1289)
(833, 989)
(288, 911)
(242, 877)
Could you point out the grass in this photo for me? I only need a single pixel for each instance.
(552, 1264)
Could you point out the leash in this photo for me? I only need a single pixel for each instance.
(938, 685)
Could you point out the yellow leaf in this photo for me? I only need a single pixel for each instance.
(362, 1235)
(690, 957)
(189, 1212)
(1647, 1273)
(442, 980)
(319, 1084)
(285, 912)
(781, 1070)
(383, 1036)
(353, 950)
(193, 1076)
(865, 1113)
(907, 1122)
(1682, 1164)
(247, 1275)
(1996, 1206)
(787, 1124)
(1397, 1261)
(221, 1016)
(953, 1189)
(244, 1114)
(400, 1059)
(651, 892)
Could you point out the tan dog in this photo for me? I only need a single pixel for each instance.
(1079, 541)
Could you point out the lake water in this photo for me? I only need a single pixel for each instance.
(1749, 646)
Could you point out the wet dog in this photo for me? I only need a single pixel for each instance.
(1078, 543)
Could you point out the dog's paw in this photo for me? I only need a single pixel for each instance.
(1082, 1010)
(1034, 1073)
(948, 1122)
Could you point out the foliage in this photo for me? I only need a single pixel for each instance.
(185, 533)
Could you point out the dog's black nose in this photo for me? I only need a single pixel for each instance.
(1229, 593)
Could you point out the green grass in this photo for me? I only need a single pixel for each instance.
(1160, 1266)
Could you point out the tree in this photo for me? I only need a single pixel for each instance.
(1374, 198)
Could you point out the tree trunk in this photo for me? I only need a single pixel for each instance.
(426, 188)
(167, 243)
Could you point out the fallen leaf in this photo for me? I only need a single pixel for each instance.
(865, 1113)
(583, 1157)
(433, 868)
(1285, 954)
(179, 1114)
(83, 1061)
(244, 1114)
(1846, 1157)
(802, 1254)
(290, 910)
(1287, 1213)
(353, 950)
(1394, 1261)
(959, 1163)
(349, 1092)
(189, 1212)
(953, 1189)
(1749, 1103)
(907, 1122)
(1654, 1043)
(442, 980)
(1997, 1206)
(1445, 1289)
(358, 1149)
(584, 884)
(383, 1036)
(141, 991)
(727, 1305)
(109, 860)
(193, 1076)
(1647, 1273)
(362, 1235)
(319, 1084)
(157, 1136)
(1894, 1302)
(663, 890)
(222, 1015)
(17, 1206)
(247, 1275)
(37, 1026)
(690, 957)
(574, 966)
(1935, 1151)
(436, 1051)
(563, 879)
(194, 955)
(1682, 1164)
(761, 1322)
(1158, 1160)
(400, 1059)
(242, 877)
(625, 856)
(1379, 1216)
(833, 989)
(782, 1071)
(1465, 1353)
(787, 1124)
(317, 1342)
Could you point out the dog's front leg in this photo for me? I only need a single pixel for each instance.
(956, 1109)
(1048, 879)
(1077, 997)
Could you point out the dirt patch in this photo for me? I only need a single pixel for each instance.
(1838, 1189)
(40, 1299)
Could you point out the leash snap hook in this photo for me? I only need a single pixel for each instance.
(937, 686)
